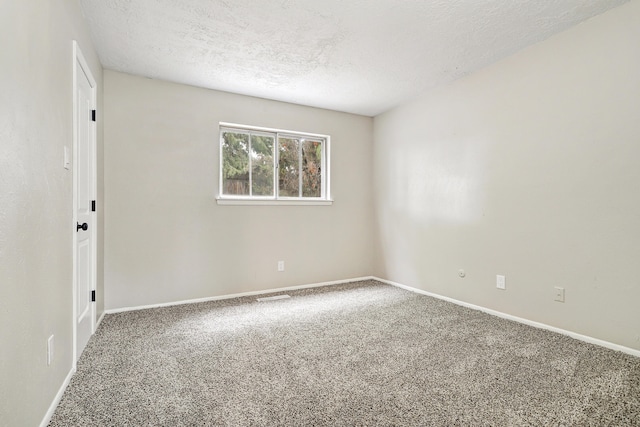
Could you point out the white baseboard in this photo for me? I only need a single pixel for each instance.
(243, 294)
(100, 319)
(56, 399)
(539, 325)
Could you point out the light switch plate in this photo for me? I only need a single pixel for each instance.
(67, 158)
(50, 350)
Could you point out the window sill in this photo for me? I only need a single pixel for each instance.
(271, 202)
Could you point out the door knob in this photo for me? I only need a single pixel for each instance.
(84, 226)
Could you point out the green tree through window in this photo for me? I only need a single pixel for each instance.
(254, 165)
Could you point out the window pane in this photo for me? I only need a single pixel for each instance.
(311, 168)
(235, 163)
(262, 165)
(288, 167)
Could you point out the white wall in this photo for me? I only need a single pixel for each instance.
(36, 201)
(167, 239)
(528, 168)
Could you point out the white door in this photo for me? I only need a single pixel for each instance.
(84, 188)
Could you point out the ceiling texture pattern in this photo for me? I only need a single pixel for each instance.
(357, 56)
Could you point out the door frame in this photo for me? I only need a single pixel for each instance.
(80, 65)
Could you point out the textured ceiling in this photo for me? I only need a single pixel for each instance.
(358, 56)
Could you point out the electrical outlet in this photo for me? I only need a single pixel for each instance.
(501, 282)
(50, 350)
(559, 294)
(280, 265)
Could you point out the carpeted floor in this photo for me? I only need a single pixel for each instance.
(360, 354)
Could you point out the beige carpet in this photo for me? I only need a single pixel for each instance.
(360, 354)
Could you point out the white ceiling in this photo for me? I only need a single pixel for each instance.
(358, 56)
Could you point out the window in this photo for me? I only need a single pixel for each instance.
(268, 165)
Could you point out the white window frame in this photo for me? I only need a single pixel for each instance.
(324, 199)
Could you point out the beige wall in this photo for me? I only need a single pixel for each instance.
(529, 168)
(36, 201)
(167, 239)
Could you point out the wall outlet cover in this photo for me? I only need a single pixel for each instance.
(559, 294)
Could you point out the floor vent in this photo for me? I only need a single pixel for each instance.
(273, 298)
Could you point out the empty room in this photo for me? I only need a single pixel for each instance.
(318, 213)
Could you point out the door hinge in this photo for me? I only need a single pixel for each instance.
(93, 115)
(93, 206)
(93, 296)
